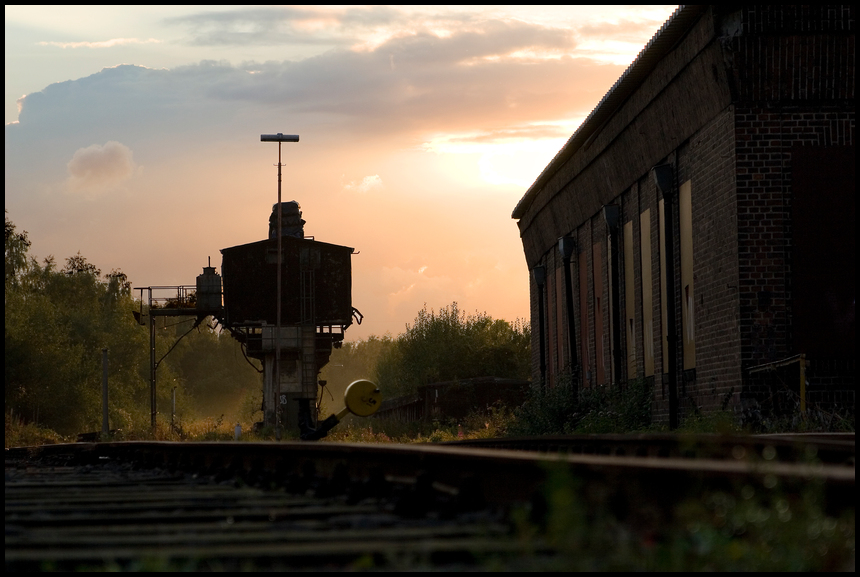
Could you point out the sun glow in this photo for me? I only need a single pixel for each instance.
(507, 159)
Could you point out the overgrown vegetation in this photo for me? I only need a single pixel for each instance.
(58, 319)
(354, 360)
(488, 424)
(561, 409)
(749, 528)
(448, 345)
(22, 434)
(757, 419)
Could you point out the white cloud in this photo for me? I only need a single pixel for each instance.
(367, 184)
(100, 44)
(96, 169)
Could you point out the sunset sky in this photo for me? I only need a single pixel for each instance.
(133, 136)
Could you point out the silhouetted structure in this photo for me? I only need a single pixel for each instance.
(710, 199)
(316, 305)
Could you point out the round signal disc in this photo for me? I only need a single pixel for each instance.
(362, 398)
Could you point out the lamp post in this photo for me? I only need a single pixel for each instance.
(279, 138)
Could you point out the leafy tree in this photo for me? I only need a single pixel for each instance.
(449, 345)
(57, 321)
(354, 360)
(16, 247)
(213, 370)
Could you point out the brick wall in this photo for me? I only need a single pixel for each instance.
(765, 137)
(585, 254)
(792, 76)
(788, 19)
(707, 161)
(725, 107)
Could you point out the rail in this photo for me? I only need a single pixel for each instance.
(300, 505)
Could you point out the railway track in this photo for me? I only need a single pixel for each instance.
(107, 516)
(830, 448)
(149, 505)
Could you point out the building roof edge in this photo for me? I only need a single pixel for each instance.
(663, 41)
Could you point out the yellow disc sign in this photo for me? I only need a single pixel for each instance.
(362, 398)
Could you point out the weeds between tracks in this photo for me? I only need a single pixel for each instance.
(752, 528)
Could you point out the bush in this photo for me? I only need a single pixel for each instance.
(561, 409)
(58, 320)
(449, 345)
(615, 409)
(21, 434)
(547, 410)
(744, 527)
(480, 424)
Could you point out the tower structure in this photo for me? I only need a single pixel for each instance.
(316, 309)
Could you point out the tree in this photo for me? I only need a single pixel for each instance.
(16, 247)
(213, 370)
(352, 361)
(451, 345)
(58, 321)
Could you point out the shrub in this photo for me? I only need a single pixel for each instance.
(745, 527)
(21, 434)
(561, 409)
(448, 345)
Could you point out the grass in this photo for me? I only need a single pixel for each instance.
(477, 425)
(547, 411)
(750, 528)
(21, 434)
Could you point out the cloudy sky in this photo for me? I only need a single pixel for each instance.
(133, 136)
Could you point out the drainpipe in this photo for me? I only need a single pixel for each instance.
(612, 216)
(539, 274)
(566, 246)
(664, 178)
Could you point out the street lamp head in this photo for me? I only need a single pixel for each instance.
(279, 137)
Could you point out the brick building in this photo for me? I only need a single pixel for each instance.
(707, 201)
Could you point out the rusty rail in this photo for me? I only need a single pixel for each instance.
(211, 490)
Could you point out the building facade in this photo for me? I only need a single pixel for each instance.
(697, 230)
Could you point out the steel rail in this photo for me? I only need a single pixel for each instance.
(84, 503)
(831, 448)
(497, 475)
